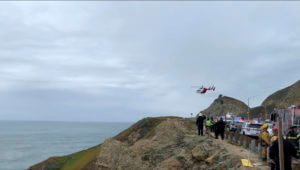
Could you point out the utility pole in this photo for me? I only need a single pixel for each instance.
(248, 109)
(265, 112)
(280, 143)
(249, 106)
(293, 114)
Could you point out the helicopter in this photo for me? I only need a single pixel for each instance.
(203, 90)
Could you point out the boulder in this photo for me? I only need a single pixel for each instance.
(117, 155)
(170, 164)
(200, 153)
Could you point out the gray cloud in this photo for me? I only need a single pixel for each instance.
(121, 61)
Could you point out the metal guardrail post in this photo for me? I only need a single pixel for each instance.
(248, 141)
(259, 150)
(252, 146)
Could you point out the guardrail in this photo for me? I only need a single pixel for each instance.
(252, 144)
(244, 141)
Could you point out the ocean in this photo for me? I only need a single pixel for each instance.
(24, 143)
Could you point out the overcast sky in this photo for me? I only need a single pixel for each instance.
(122, 61)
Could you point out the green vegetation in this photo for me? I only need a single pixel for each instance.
(75, 161)
(78, 160)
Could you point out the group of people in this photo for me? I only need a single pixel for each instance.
(217, 127)
(290, 144)
(290, 147)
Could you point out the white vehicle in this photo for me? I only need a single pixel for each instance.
(251, 129)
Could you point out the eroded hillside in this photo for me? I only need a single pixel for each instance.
(285, 97)
(152, 143)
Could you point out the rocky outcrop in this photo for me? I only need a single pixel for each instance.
(172, 145)
(224, 104)
(117, 155)
(148, 153)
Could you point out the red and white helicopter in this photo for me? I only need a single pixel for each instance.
(203, 90)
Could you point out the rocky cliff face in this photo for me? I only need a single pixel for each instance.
(224, 104)
(154, 143)
(280, 99)
(284, 97)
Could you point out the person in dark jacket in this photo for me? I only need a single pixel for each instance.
(220, 129)
(288, 152)
(199, 123)
(212, 126)
(292, 137)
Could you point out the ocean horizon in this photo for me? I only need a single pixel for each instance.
(25, 143)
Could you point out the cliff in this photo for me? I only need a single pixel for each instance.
(224, 104)
(169, 142)
(280, 99)
(151, 143)
(285, 97)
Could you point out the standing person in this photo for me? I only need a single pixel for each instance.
(220, 128)
(292, 137)
(298, 138)
(273, 139)
(215, 128)
(199, 123)
(207, 125)
(264, 141)
(288, 152)
(274, 135)
(212, 124)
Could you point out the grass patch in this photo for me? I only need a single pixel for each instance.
(78, 160)
(75, 161)
(53, 163)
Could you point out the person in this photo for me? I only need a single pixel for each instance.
(199, 123)
(207, 124)
(288, 152)
(274, 135)
(292, 137)
(298, 138)
(264, 141)
(273, 139)
(212, 124)
(220, 128)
